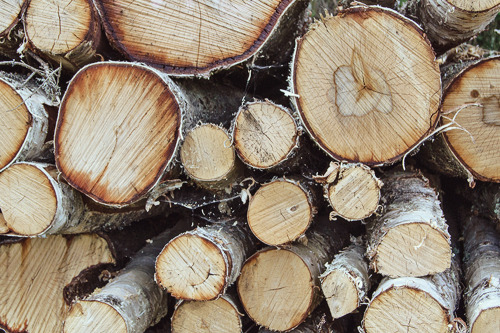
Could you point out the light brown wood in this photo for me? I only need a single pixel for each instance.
(10, 11)
(217, 316)
(117, 131)
(280, 211)
(265, 134)
(208, 156)
(4, 228)
(194, 37)
(357, 95)
(410, 238)
(34, 274)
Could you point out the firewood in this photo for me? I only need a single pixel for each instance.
(411, 304)
(130, 303)
(482, 275)
(4, 228)
(345, 282)
(217, 316)
(200, 264)
(318, 322)
(410, 238)
(198, 37)
(67, 32)
(117, 131)
(281, 211)
(208, 157)
(264, 134)
(11, 32)
(471, 103)
(280, 287)
(36, 202)
(363, 100)
(352, 189)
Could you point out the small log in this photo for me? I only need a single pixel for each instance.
(264, 134)
(471, 102)
(410, 238)
(201, 264)
(345, 282)
(130, 303)
(482, 275)
(281, 211)
(35, 202)
(217, 316)
(66, 32)
(208, 157)
(359, 98)
(352, 189)
(414, 305)
(11, 32)
(117, 131)
(280, 287)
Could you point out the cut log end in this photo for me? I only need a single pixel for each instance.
(474, 6)
(217, 316)
(279, 212)
(276, 288)
(264, 134)
(405, 309)
(488, 321)
(93, 316)
(28, 199)
(114, 143)
(4, 228)
(192, 268)
(340, 292)
(9, 14)
(382, 103)
(476, 147)
(426, 251)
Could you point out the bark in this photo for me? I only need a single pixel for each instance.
(201, 264)
(357, 97)
(410, 238)
(280, 287)
(482, 275)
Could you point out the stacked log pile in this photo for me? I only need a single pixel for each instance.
(228, 166)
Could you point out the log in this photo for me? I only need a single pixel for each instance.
(198, 37)
(410, 238)
(280, 287)
(36, 202)
(345, 281)
(382, 97)
(352, 190)
(11, 32)
(410, 304)
(117, 131)
(130, 303)
(482, 275)
(202, 263)
(471, 101)
(66, 32)
(217, 316)
(208, 157)
(264, 134)
(282, 210)
(318, 322)
(4, 228)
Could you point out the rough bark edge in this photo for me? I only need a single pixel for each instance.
(294, 96)
(271, 27)
(179, 98)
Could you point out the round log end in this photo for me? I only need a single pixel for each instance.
(28, 199)
(488, 321)
(340, 292)
(117, 131)
(93, 316)
(405, 251)
(474, 6)
(191, 267)
(279, 212)
(276, 289)
(264, 134)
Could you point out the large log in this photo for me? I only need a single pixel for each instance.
(366, 85)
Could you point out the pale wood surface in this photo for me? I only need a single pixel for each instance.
(97, 317)
(9, 11)
(4, 228)
(475, 6)
(371, 75)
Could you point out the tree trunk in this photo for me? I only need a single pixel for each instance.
(410, 238)
(345, 282)
(200, 264)
(280, 287)
(359, 98)
(482, 276)
(282, 210)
